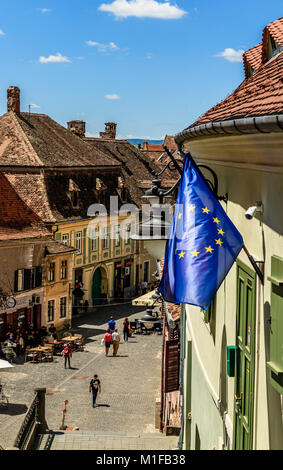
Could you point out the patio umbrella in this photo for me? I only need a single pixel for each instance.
(5, 364)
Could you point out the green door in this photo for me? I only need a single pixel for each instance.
(96, 287)
(244, 381)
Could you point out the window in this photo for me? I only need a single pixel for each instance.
(19, 280)
(65, 238)
(94, 239)
(79, 242)
(51, 272)
(64, 266)
(146, 271)
(105, 238)
(27, 279)
(127, 234)
(117, 235)
(51, 310)
(273, 48)
(63, 307)
(275, 363)
(75, 198)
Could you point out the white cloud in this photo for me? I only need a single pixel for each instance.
(103, 47)
(44, 10)
(231, 54)
(148, 56)
(2, 32)
(143, 9)
(58, 58)
(112, 97)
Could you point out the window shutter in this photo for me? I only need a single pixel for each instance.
(16, 281)
(27, 279)
(38, 276)
(172, 357)
(276, 324)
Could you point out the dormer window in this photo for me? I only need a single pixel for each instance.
(273, 47)
(75, 198)
(74, 193)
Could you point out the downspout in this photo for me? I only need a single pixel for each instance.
(162, 369)
(181, 380)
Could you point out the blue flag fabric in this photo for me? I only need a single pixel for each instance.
(202, 246)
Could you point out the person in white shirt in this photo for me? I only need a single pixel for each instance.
(116, 342)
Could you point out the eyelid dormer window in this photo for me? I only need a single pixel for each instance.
(273, 47)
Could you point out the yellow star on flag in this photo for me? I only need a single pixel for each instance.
(220, 231)
(205, 210)
(192, 207)
(209, 249)
(219, 242)
(195, 253)
(182, 254)
(216, 221)
(180, 216)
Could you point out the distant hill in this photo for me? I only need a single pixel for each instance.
(141, 141)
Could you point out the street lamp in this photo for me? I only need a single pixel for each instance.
(154, 231)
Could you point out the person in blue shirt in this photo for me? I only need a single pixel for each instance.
(111, 324)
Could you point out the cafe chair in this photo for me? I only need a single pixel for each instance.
(31, 356)
(158, 328)
(78, 344)
(47, 355)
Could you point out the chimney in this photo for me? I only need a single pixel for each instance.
(110, 131)
(13, 99)
(77, 128)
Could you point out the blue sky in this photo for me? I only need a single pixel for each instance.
(152, 66)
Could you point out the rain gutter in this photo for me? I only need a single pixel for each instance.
(253, 125)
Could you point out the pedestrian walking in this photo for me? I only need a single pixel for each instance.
(67, 354)
(107, 341)
(111, 324)
(126, 326)
(95, 387)
(116, 342)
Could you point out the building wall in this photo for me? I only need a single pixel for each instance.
(263, 238)
(57, 289)
(90, 259)
(19, 255)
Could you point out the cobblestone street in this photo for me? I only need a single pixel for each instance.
(130, 382)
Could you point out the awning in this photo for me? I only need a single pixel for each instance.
(145, 300)
(5, 364)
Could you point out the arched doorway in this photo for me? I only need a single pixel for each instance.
(99, 286)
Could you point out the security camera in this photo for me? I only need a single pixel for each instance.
(258, 207)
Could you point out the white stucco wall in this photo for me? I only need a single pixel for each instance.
(263, 238)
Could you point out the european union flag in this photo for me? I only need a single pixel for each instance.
(202, 246)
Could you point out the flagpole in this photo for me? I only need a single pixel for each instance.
(255, 266)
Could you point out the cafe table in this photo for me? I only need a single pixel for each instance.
(39, 350)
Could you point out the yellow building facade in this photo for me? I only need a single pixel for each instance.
(108, 265)
(57, 285)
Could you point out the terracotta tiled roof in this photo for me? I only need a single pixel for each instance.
(56, 248)
(17, 221)
(32, 189)
(152, 147)
(260, 94)
(35, 140)
(169, 142)
(253, 58)
(275, 29)
(136, 166)
(174, 310)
